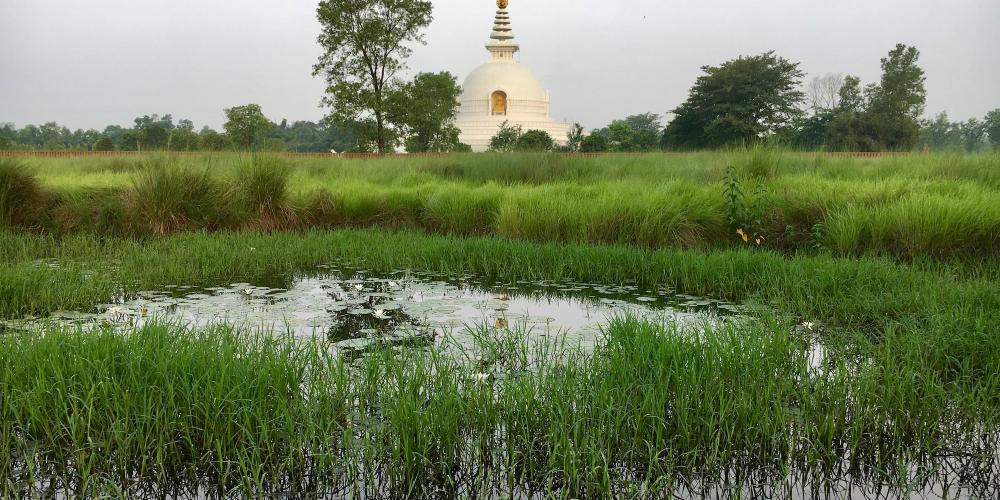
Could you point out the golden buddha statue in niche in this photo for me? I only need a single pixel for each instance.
(502, 4)
(498, 103)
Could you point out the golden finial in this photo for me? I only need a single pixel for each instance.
(502, 4)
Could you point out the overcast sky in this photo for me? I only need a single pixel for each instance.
(97, 62)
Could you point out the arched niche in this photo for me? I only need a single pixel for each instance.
(498, 103)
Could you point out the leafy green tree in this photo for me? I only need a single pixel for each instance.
(885, 116)
(506, 138)
(940, 134)
(973, 135)
(620, 135)
(247, 126)
(574, 138)
(898, 101)
(596, 142)
(741, 101)
(424, 110)
(810, 132)
(993, 127)
(535, 140)
(211, 140)
(365, 46)
(153, 132)
(104, 144)
(8, 132)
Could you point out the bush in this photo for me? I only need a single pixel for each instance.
(506, 138)
(21, 197)
(596, 142)
(165, 198)
(535, 140)
(263, 190)
(104, 144)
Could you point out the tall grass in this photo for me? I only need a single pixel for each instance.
(22, 200)
(165, 199)
(845, 206)
(653, 411)
(262, 184)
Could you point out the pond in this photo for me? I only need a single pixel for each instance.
(353, 308)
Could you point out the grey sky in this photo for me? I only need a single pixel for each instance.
(97, 62)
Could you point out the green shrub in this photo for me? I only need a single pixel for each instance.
(263, 191)
(535, 140)
(22, 199)
(165, 198)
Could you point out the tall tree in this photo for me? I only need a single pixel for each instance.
(993, 127)
(898, 101)
(365, 46)
(574, 138)
(247, 126)
(424, 110)
(740, 101)
(824, 92)
(940, 134)
(973, 134)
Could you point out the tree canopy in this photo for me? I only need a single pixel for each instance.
(740, 101)
(247, 126)
(993, 127)
(424, 111)
(365, 46)
(883, 116)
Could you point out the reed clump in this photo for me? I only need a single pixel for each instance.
(262, 184)
(165, 198)
(22, 199)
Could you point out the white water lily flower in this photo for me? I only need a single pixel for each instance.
(381, 314)
(359, 287)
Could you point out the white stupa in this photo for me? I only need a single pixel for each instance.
(503, 90)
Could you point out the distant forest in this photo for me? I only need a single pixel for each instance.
(743, 101)
(163, 133)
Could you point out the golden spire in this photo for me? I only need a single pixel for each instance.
(502, 4)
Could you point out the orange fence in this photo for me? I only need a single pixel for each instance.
(364, 156)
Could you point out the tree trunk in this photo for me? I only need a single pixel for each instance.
(380, 132)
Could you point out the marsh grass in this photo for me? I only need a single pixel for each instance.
(165, 198)
(907, 208)
(653, 410)
(22, 199)
(262, 185)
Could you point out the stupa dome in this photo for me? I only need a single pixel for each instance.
(502, 90)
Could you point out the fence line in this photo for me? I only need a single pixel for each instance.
(367, 156)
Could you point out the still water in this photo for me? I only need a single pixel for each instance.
(353, 308)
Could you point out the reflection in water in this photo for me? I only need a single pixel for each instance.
(354, 309)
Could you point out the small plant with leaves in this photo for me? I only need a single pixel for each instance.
(745, 213)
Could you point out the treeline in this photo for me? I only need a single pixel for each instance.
(246, 128)
(762, 98)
